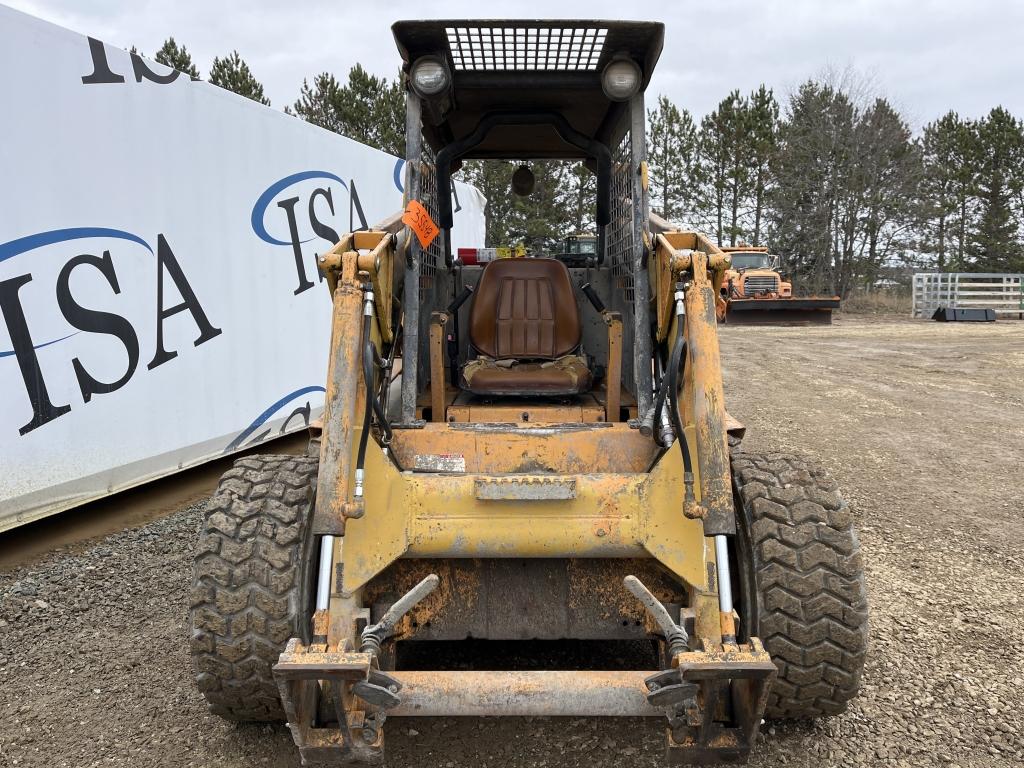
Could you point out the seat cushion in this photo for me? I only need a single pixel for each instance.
(567, 375)
(524, 309)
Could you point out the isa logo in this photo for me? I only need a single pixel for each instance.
(64, 287)
(302, 212)
(291, 408)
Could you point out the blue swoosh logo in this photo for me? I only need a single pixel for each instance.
(259, 210)
(12, 248)
(263, 417)
(40, 346)
(397, 175)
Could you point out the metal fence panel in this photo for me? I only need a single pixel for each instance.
(1001, 292)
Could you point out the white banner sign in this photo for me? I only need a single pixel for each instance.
(160, 300)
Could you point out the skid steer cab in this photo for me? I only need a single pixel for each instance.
(526, 450)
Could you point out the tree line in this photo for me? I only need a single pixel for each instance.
(837, 183)
(230, 72)
(833, 178)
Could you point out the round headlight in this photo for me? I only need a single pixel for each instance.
(429, 76)
(620, 79)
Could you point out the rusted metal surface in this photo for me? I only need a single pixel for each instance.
(346, 614)
(354, 737)
(410, 301)
(438, 384)
(340, 403)
(734, 428)
(604, 519)
(613, 378)
(380, 264)
(315, 662)
(526, 599)
(721, 722)
(525, 488)
(529, 694)
(433, 515)
(574, 409)
(375, 255)
(516, 448)
(642, 345)
(708, 402)
(321, 621)
(713, 699)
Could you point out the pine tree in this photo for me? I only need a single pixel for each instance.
(713, 163)
(234, 74)
(735, 117)
(846, 177)
(724, 165)
(966, 156)
(812, 215)
(996, 241)
(493, 178)
(318, 103)
(949, 150)
(367, 108)
(889, 169)
(671, 157)
(763, 137)
(937, 205)
(177, 57)
(562, 203)
(581, 188)
(546, 215)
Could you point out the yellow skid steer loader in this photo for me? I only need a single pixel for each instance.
(562, 469)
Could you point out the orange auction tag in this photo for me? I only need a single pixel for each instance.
(418, 219)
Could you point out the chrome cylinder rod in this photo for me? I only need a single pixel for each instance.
(724, 588)
(323, 580)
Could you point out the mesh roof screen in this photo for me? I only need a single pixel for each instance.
(525, 48)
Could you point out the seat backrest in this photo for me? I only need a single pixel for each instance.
(524, 309)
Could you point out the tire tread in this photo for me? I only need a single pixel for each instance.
(247, 593)
(812, 601)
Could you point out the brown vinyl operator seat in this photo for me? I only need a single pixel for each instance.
(525, 328)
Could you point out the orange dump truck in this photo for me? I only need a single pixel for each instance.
(755, 293)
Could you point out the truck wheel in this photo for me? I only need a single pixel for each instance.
(802, 582)
(252, 582)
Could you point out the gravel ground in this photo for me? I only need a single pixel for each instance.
(922, 424)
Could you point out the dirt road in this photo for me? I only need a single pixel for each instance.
(922, 424)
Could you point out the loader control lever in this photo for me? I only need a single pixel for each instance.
(380, 688)
(453, 338)
(595, 300)
(459, 300)
(675, 635)
(375, 634)
(667, 689)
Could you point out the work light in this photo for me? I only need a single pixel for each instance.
(429, 76)
(620, 79)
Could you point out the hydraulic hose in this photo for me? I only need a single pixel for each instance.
(378, 409)
(364, 435)
(662, 393)
(371, 360)
(675, 364)
(669, 388)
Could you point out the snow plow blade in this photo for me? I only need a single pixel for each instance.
(810, 311)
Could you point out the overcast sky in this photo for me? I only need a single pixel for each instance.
(926, 56)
